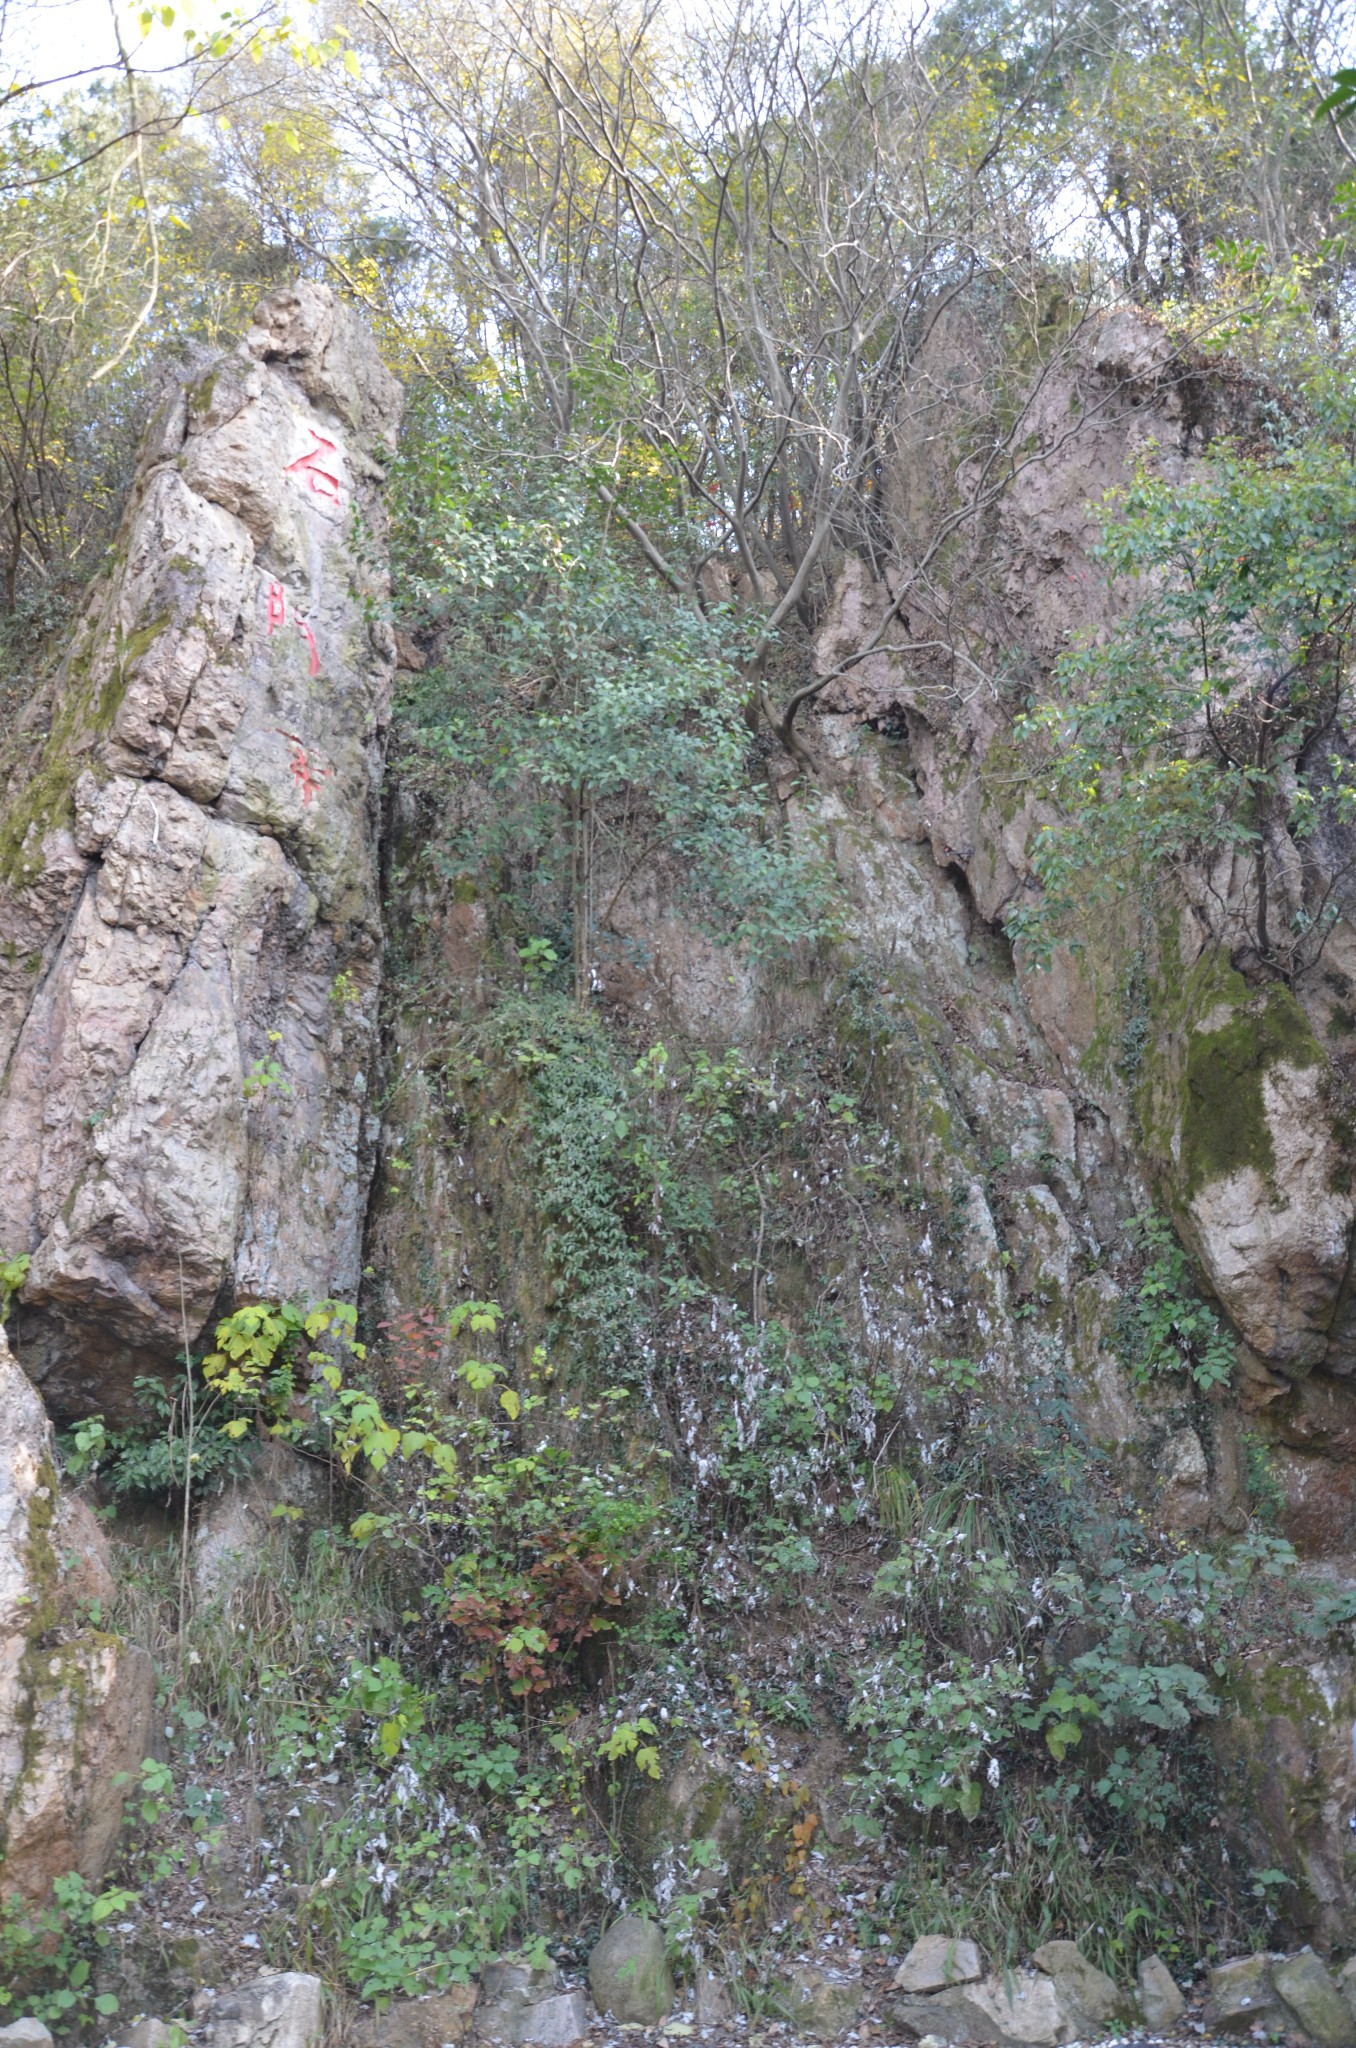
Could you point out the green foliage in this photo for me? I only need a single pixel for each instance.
(599, 717)
(13, 1273)
(1164, 1325)
(1206, 721)
(1031, 1638)
(263, 1358)
(266, 1074)
(48, 1955)
(151, 1458)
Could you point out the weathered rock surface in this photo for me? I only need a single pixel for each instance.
(822, 2003)
(284, 2010)
(188, 883)
(238, 1533)
(26, 2034)
(1006, 2010)
(420, 2022)
(711, 2001)
(1087, 1996)
(1241, 1996)
(1283, 1740)
(937, 1960)
(523, 2007)
(1160, 1996)
(75, 1701)
(1305, 1988)
(555, 2022)
(151, 2033)
(629, 1973)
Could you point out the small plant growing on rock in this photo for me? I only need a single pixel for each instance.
(1166, 1326)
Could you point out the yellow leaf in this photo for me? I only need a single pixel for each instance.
(510, 1404)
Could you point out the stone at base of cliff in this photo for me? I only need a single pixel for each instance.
(629, 1973)
(280, 2011)
(1009, 2009)
(936, 1961)
(711, 2000)
(25, 2034)
(1087, 1996)
(1241, 1996)
(556, 2022)
(523, 2007)
(822, 2003)
(1305, 1988)
(1160, 1995)
(239, 1534)
(420, 2022)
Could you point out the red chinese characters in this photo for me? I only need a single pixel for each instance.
(277, 616)
(318, 470)
(307, 781)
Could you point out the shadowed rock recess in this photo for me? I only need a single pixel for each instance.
(190, 935)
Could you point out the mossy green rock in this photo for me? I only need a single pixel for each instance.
(1250, 1156)
(629, 1973)
(1309, 1993)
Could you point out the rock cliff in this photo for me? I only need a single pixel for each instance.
(190, 933)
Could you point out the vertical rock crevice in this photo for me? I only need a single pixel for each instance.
(190, 935)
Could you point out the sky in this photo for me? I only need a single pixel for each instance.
(50, 39)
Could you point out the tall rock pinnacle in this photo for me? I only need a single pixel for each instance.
(189, 927)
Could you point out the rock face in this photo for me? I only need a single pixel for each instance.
(189, 928)
(1306, 1989)
(523, 2007)
(75, 1701)
(1065, 1998)
(937, 1960)
(420, 2022)
(1087, 1996)
(822, 2003)
(1009, 2009)
(283, 2011)
(1241, 1996)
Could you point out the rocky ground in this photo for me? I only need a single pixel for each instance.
(938, 1996)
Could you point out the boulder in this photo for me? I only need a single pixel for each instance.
(1008, 2009)
(278, 2010)
(1160, 1996)
(821, 2002)
(190, 856)
(75, 1701)
(25, 2034)
(1241, 1995)
(420, 2022)
(937, 1960)
(629, 1973)
(1306, 1990)
(1087, 1996)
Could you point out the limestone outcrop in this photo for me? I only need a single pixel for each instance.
(190, 935)
(75, 1701)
